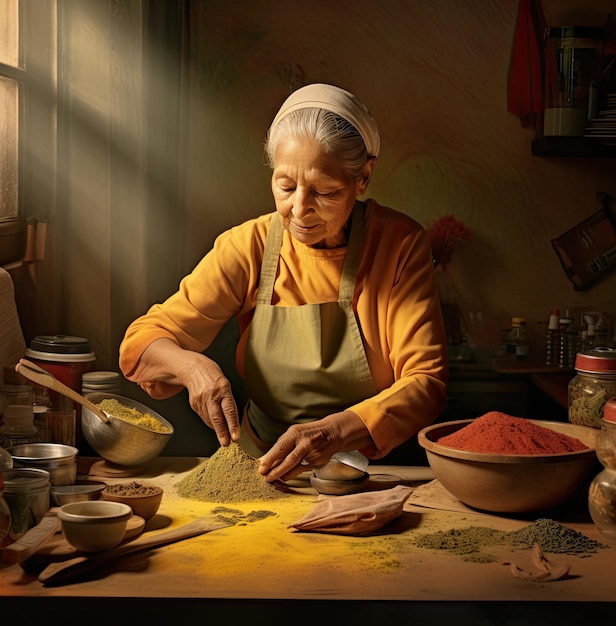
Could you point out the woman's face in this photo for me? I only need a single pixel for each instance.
(313, 193)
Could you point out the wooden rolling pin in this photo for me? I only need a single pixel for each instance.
(28, 543)
(68, 571)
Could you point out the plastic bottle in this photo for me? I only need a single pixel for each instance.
(602, 490)
(517, 342)
(551, 344)
(564, 336)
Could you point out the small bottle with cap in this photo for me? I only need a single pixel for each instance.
(551, 340)
(566, 335)
(517, 342)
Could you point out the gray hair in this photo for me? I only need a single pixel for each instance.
(336, 135)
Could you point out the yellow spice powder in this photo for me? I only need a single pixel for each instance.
(129, 414)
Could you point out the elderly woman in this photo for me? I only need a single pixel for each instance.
(342, 344)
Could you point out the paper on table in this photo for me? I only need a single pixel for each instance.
(434, 496)
(355, 514)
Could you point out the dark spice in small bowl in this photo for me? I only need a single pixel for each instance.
(143, 499)
(132, 489)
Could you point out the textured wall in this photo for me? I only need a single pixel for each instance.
(434, 73)
(435, 76)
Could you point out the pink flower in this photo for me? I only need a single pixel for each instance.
(443, 233)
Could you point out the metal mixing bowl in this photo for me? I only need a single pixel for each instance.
(510, 483)
(121, 442)
(80, 491)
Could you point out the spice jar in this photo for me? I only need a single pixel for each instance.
(593, 385)
(27, 491)
(67, 358)
(5, 513)
(18, 414)
(97, 382)
(602, 490)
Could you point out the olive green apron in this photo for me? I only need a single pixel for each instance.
(302, 362)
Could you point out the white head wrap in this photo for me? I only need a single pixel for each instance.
(338, 101)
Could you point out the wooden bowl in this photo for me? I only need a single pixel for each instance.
(144, 506)
(510, 483)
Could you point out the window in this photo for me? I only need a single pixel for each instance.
(27, 109)
(12, 78)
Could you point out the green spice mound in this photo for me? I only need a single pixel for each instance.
(229, 475)
(551, 536)
(237, 517)
(554, 537)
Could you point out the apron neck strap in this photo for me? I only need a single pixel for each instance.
(271, 253)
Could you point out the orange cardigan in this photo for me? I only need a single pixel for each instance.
(395, 301)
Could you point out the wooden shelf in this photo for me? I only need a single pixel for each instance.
(581, 147)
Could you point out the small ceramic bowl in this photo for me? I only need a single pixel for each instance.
(143, 499)
(95, 525)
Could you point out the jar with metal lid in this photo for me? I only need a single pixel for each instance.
(602, 490)
(27, 491)
(93, 382)
(65, 357)
(592, 386)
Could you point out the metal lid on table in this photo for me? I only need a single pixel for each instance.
(601, 360)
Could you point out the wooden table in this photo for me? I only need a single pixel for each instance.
(265, 572)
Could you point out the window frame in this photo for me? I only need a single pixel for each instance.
(36, 78)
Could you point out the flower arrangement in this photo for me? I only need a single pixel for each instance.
(443, 233)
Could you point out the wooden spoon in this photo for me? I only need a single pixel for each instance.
(45, 379)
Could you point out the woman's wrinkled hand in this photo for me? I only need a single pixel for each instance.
(211, 397)
(209, 391)
(306, 446)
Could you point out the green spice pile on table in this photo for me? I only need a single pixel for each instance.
(551, 536)
(229, 475)
(238, 517)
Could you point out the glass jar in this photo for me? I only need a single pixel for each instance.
(108, 382)
(592, 386)
(27, 492)
(602, 490)
(571, 68)
(18, 415)
(5, 513)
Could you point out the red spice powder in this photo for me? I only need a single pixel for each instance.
(499, 433)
